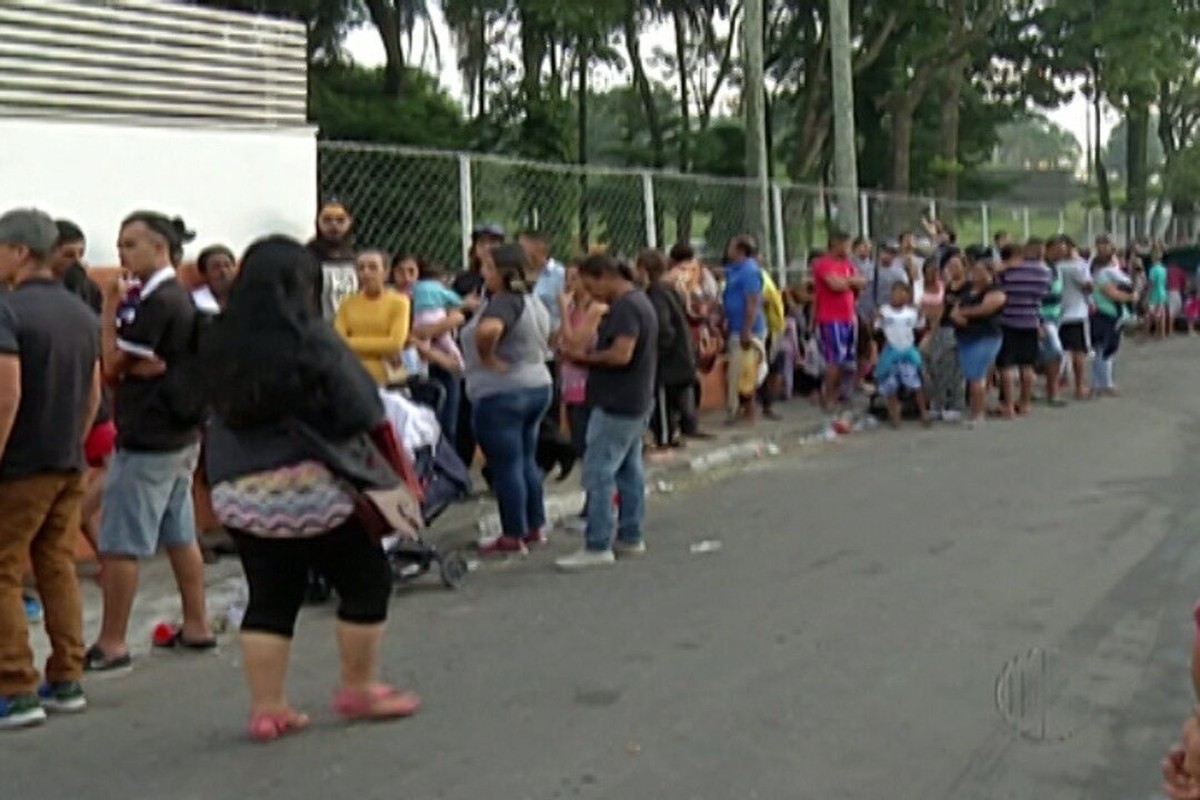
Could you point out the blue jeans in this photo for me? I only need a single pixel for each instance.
(613, 462)
(506, 427)
(1106, 340)
(448, 419)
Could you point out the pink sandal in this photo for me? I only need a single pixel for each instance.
(267, 726)
(380, 702)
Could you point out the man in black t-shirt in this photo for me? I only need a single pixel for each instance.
(620, 392)
(147, 500)
(67, 265)
(49, 391)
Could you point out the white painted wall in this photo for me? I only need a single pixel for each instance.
(231, 186)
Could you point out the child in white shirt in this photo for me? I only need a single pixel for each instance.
(900, 363)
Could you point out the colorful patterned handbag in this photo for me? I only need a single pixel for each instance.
(299, 500)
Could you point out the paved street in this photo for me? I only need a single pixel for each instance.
(946, 614)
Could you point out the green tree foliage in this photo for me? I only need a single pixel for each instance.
(941, 87)
(1034, 142)
(348, 102)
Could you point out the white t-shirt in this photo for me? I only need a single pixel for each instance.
(1077, 289)
(898, 326)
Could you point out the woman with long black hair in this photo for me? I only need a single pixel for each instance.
(276, 368)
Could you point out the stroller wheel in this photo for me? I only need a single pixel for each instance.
(453, 568)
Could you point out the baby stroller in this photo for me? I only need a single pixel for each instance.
(439, 479)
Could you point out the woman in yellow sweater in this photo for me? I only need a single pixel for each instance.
(375, 321)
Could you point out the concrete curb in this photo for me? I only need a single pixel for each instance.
(661, 478)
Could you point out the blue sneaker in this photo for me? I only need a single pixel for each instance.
(22, 711)
(62, 697)
(33, 609)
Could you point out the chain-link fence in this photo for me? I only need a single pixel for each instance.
(401, 199)
(427, 202)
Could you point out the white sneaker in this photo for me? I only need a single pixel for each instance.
(586, 559)
(935, 414)
(623, 550)
(951, 416)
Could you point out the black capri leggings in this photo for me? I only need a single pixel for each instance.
(277, 572)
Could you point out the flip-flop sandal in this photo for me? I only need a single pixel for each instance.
(176, 640)
(267, 726)
(376, 704)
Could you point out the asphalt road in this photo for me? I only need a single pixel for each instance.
(1001, 613)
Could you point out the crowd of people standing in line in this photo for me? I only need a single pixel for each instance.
(943, 329)
(277, 360)
(271, 366)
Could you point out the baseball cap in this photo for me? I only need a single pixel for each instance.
(29, 227)
(488, 229)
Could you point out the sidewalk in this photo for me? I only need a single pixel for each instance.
(474, 518)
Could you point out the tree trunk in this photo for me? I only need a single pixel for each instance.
(481, 75)
(533, 53)
(1098, 146)
(584, 222)
(902, 112)
(386, 19)
(1137, 119)
(683, 217)
(644, 89)
(948, 131)
(685, 111)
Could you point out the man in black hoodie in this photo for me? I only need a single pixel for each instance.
(333, 249)
(676, 369)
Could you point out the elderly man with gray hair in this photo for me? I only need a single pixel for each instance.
(49, 393)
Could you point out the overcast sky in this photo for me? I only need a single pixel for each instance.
(365, 48)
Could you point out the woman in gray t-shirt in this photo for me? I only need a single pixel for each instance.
(505, 349)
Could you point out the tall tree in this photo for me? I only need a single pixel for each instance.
(929, 45)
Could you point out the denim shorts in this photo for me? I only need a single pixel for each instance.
(901, 375)
(148, 502)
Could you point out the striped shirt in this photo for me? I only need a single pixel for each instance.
(1025, 286)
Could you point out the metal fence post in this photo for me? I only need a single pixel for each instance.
(780, 239)
(466, 206)
(648, 202)
(1090, 226)
(983, 217)
(1062, 221)
(933, 208)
